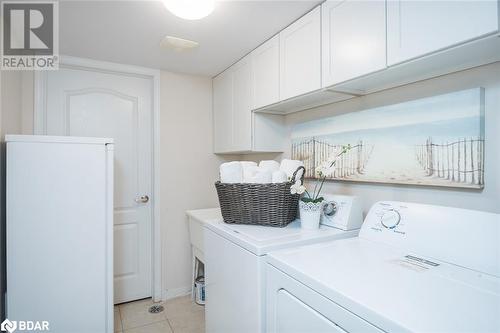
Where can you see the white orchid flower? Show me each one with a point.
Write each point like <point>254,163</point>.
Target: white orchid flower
<point>301,189</point>
<point>327,168</point>
<point>297,188</point>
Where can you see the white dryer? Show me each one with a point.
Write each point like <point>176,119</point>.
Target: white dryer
<point>235,265</point>
<point>413,268</point>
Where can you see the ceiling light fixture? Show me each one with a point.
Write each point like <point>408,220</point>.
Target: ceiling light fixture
<point>178,44</point>
<point>190,9</point>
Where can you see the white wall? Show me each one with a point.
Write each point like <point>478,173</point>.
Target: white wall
<point>487,199</point>
<point>188,169</point>
<point>11,102</point>
<point>17,102</point>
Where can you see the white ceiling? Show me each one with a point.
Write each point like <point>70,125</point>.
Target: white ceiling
<point>130,32</point>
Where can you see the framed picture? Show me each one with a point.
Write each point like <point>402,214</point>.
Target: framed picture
<point>434,141</point>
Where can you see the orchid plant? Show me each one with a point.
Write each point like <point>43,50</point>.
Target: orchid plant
<point>325,170</point>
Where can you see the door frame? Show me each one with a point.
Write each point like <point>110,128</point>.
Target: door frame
<point>40,128</point>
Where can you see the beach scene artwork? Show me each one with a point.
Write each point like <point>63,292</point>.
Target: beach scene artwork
<point>433,141</point>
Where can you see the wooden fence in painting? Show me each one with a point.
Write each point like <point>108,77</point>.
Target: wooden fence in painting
<point>314,152</point>
<point>461,161</point>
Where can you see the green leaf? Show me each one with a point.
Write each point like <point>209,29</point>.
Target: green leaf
<point>320,199</point>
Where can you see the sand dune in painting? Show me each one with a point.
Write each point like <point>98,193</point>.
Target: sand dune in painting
<point>407,171</point>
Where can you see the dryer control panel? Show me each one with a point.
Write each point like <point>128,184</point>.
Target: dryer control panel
<point>437,233</point>
<point>388,217</point>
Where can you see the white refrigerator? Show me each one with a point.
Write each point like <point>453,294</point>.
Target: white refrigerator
<point>60,232</point>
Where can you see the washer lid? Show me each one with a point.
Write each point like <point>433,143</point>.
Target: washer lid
<point>260,240</point>
<point>395,290</point>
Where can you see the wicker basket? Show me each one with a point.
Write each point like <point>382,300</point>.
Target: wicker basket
<point>260,204</point>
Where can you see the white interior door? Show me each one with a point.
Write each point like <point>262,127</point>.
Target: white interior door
<point>83,102</point>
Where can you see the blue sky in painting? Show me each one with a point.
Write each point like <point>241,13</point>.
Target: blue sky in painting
<point>443,117</point>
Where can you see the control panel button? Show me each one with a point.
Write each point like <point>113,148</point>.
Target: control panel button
<point>390,219</point>
<point>330,208</point>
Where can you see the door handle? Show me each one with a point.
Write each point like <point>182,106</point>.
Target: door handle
<point>142,199</point>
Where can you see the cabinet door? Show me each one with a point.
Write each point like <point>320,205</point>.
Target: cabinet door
<point>353,39</point>
<point>223,112</point>
<point>242,104</point>
<point>266,73</point>
<point>300,56</point>
<point>415,28</point>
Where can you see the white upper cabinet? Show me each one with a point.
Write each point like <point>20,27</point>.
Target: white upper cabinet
<point>353,39</point>
<point>242,104</point>
<point>300,56</point>
<point>223,112</point>
<point>266,73</point>
<point>236,128</point>
<point>416,28</point>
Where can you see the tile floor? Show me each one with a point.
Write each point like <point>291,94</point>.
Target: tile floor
<point>181,315</point>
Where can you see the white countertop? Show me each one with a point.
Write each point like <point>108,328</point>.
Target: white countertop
<point>257,239</point>
<point>206,215</point>
<point>260,240</point>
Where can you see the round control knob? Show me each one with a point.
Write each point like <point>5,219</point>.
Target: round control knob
<point>390,219</point>
<point>330,208</point>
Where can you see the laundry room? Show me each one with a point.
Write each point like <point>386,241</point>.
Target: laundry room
<point>247,166</point>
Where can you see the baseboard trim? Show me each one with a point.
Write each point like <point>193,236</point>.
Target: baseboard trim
<point>176,292</point>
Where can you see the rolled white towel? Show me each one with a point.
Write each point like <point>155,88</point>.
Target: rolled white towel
<point>249,169</point>
<point>261,177</point>
<point>231,172</point>
<point>279,176</point>
<point>290,166</point>
<point>249,173</point>
<point>246,164</point>
<point>269,165</point>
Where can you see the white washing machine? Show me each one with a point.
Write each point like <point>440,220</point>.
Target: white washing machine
<point>235,264</point>
<point>413,268</point>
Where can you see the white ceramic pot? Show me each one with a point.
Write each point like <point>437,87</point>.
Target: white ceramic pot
<point>310,214</point>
